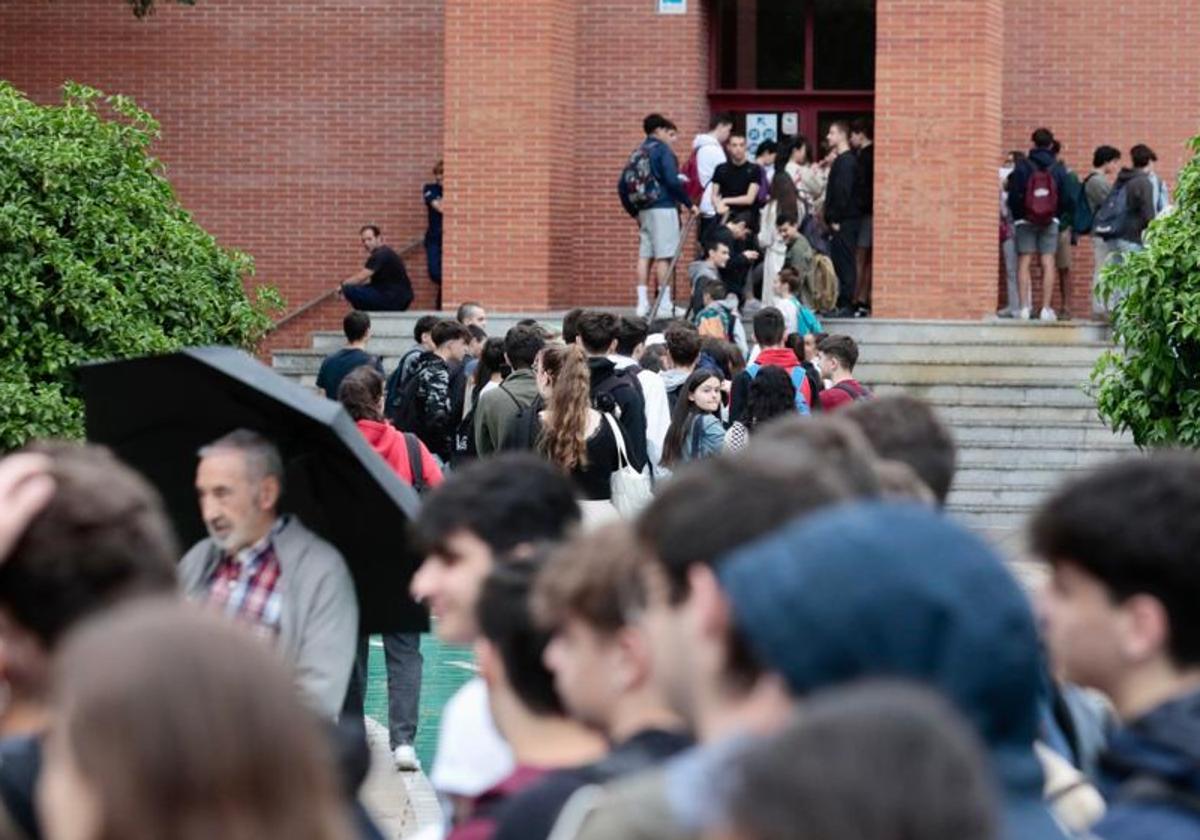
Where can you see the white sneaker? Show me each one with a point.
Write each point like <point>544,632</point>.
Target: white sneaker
<point>405,759</point>
<point>643,302</point>
<point>1047,314</point>
<point>1024,313</point>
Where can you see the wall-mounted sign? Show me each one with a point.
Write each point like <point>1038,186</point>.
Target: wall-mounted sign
<point>791,123</point>
<point>760,128</point>
<point>672,7</point>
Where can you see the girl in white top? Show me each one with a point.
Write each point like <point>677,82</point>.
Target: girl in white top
<point>784,200</point>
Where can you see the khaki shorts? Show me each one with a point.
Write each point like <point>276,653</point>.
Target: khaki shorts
<point>658,232</point>
<point>1062,257</point>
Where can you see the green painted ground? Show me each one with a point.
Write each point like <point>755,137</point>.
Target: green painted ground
<point>445,670</point>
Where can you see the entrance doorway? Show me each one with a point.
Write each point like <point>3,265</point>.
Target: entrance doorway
<point>792,66</point>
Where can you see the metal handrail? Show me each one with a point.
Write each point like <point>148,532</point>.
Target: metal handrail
<point>669,289</point>
<point>324,296</point>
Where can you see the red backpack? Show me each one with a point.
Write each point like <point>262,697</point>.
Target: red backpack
<point>1041,197</point>
<point>692,186</point>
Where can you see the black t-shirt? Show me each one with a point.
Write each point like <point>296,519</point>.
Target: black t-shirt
<point>337,365</point>
<point>735,179</point>
<point>387,269</point>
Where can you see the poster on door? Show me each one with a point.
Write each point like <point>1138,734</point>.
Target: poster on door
<point>761,128</point>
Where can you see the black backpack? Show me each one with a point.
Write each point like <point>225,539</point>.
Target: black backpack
<point>1109,221</point>
<point>408,415</point>
<point>604,395</point>
<point>396,382</point>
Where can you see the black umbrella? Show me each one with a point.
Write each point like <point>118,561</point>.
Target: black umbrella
<point>156,412</point>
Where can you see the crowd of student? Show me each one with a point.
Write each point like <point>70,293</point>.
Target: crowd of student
<point>1045,208</point>
<point>790,640</point>
<point>786,206</point>
<point>606,392</point>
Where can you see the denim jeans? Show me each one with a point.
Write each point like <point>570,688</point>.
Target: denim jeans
<point>402,653</point>
<point>368,298</point>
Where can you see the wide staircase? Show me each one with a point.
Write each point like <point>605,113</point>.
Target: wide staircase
<point>1013,392</point>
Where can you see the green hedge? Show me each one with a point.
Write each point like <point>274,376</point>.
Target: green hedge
<point>98,260</point>
<point>1150,384</point>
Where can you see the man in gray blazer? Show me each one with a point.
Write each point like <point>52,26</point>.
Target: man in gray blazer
<point>268,571</point>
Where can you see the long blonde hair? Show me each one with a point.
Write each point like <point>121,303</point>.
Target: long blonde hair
<point>564,433</point>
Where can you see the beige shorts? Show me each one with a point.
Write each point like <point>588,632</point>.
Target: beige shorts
<point>1062,257</point>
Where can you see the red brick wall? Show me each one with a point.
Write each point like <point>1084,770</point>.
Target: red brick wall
<point>632,62</point>
<point>285,125</point>
<point>1120,75</point>
<point>537,132</point>
<point>937,129</point>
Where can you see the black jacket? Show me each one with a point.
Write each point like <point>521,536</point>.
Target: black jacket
<point>623,398</point>
<point>840,194</point>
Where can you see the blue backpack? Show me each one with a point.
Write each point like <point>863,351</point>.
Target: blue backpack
<point>799,376</point>
<point>638,188</point>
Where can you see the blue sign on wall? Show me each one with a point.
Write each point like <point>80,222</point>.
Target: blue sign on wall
<point>672,7</point>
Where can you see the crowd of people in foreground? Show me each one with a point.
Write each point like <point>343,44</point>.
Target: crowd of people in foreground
<point>789,641</point>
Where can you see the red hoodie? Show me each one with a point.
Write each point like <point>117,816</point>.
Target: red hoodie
<point>390,444</point>
<point>783,357</point>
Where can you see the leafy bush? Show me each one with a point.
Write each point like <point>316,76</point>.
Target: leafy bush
<point>98,260</point>
<point>1150,385</point>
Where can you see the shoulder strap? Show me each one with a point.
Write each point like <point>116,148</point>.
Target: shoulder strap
<point>622,456</point>
<point>846,389</point>
<point>414,461</point>
<point>516,402</point>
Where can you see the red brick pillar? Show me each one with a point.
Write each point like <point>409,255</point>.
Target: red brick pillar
<point>938,89</point>
<point>510,151</point>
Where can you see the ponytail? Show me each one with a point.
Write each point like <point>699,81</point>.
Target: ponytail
<point>564,434</point>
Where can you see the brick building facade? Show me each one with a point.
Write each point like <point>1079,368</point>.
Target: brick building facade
<point>285,126</point>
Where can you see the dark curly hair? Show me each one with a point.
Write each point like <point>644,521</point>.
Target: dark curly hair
<point>772,395</point>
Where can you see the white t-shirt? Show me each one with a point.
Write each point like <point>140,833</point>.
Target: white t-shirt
<point>471,756</point>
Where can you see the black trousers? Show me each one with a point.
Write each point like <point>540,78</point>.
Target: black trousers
<point>843,246</point>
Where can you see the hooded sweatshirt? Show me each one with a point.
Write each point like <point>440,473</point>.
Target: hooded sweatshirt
<point>393,448</point>
<point>1139,203</point>
<point>1151,771</point>
<point>709,155</point>
<point>620,395</point>
<point>898,590</point>
<point>1039,159</point>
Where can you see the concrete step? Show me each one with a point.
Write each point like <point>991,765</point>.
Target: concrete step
<point>963,413</point>
<point>991,518</point>
<point>993,373</point>
<point>988,353</point>
<point>994,331</point>
<point>400,324</point>
<point>1036,432</point>
<point>1004,474</point>
<point>868,330</point>
<point>1062,394</point>
<point>970,494</point>
<point>1021,456</point>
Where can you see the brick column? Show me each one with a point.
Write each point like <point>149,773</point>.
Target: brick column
<point>938,87</point>
<point>510,150</point>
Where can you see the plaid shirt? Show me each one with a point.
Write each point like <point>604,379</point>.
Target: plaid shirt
<point>245,585</point>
